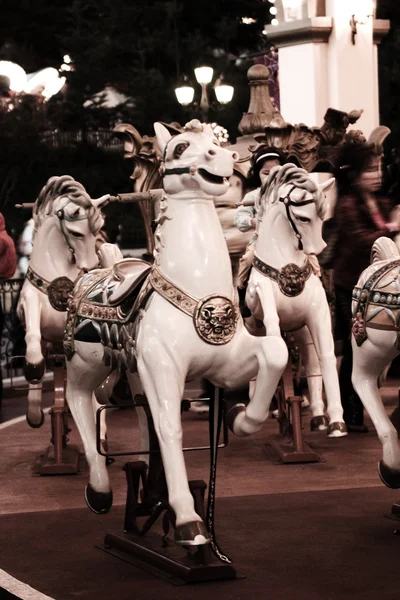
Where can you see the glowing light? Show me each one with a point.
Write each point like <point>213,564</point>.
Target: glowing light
<point>248,20</point>
<point>15,74</point>
<point>46,82</point>
<point>275,22</point>
<point>224,93</point>
<point>184,94</point>
<point>65,67</point>
<point>204,74</point>
<point>273,10</point>
<point>67,59</point>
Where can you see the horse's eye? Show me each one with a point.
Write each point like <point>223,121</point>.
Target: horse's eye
<point>180,149</point>
<point>303,219</point>
<point>76,234</point>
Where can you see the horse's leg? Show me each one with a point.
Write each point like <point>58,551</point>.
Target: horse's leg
<point>369,360</point>
<point>163,385</point>
<point>85,371</point>
<point>320,328</point>
<point>34,414</point>
<point>102,396</point>
<point>136,388</point>
<point>34,367</point>
<point>314,378</point>
<point>271,354</point>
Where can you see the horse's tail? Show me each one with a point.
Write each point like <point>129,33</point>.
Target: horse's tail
<point>384,249</point>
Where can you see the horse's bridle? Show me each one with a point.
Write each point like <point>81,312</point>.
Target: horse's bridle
<point>62,217</point>
<point>288,203</point>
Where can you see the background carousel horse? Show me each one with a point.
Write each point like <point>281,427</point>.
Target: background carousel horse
<point>66,223</point>
<point>289,229</point>
<point>375,343</point>
<point>184,324</point>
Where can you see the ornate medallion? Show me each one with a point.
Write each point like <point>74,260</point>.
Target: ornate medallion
<point>292,279</point>
<point>59,291</point>
<point>215,319</point>
<point>358,329</point>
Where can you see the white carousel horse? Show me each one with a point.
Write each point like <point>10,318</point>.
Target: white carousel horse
<point>66,223</point>
<point>188,323</point>
<point>376,342</point>
<point>289,230</point>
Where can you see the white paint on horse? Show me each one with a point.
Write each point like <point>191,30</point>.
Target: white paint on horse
<point>307,314</point>
<point>191,251</point>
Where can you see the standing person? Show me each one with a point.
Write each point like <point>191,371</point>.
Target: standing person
<point>8,265</point>
<point>262,161</point>
<point>361,217</point>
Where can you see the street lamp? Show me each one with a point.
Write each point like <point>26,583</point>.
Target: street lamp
<point>204,75</point>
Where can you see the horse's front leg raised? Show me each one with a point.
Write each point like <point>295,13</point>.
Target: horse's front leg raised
<point>30,312</point>
<point>271,355</point>
<point>320,328</point>
<point>369,360</point>
<point>163,385</point>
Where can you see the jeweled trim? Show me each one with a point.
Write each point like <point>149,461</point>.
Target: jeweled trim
<point>39,282</point>
<point>291,279</point>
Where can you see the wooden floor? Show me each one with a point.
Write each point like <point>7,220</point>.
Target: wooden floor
<point>243,466</point>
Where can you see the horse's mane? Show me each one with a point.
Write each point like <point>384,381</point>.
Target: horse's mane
<point>289,174</point>
<point>65,186</point>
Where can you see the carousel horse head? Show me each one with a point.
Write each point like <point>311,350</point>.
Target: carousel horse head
<point>64,205</point>
<point>194,161</point>
<point>295,196</point>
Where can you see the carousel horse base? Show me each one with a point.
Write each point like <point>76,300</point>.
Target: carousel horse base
<point>186,559</point>
<point>281,451</point>
<point>68,463</point>
<point>168,561</point>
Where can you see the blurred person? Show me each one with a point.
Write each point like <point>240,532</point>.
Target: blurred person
<point>361,216</point>
<point>25,247</point>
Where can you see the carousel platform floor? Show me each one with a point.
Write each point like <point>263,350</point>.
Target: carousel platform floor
<point>315,531</point>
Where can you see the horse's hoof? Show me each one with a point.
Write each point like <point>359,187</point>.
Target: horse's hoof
<point>337,429</point>
<point>192,534</point>
<point>34,373</point>
<point>33,424</point>
<point>99,502</point>
<point>233,413</point>
<point>319,423</point>
<point>389,477</point>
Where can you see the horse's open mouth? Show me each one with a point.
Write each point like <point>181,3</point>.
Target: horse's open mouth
<point>212,178</point>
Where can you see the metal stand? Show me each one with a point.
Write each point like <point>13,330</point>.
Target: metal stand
<point>293,449</point>
<point>59,458</point>
<point>147,498</point>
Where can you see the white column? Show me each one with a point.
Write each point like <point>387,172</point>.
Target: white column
<point>303,83</point>
<point>352,68</point>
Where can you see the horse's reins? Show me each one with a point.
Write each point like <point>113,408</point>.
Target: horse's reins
<point>62,217</point>
<point>288,203</point>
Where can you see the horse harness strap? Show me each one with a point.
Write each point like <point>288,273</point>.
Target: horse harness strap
<point>291,279</point>
<point>58,290</point>
<point>367,296</point>
<point>214,317</point>
<point>62,217</point>
<point>288,203</point>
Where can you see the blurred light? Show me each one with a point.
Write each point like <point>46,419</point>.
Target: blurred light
<point>248,20</point>
<point>204,74</point>
<point>67,59</point>
<point>273,10</point>
<point>184,94</point>
<point>46,82</point>
<point>224,93</point>
<point>65,67</point>
<point>15,74</point>
<point>275,22</point>
<point>272,1</point>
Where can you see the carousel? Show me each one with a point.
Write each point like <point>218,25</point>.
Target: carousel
<point>113,495</point>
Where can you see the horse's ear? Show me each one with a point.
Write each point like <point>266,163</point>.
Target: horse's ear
<point>327,185</point>
<point>102,201</point>
<point>163,136</point>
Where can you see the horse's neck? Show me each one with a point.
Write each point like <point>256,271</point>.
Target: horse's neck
<point>50,256</point>
<point>191,249</point>
<point>275,242</point>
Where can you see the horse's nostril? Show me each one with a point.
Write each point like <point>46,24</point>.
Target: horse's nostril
<point>212,152</point>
